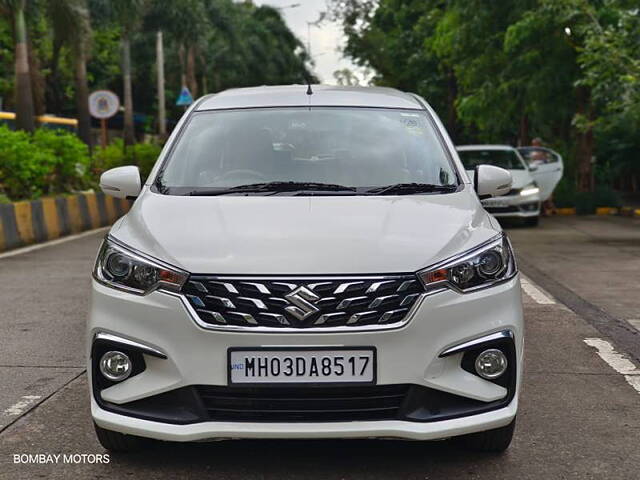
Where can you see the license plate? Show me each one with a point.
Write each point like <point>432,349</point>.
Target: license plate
<point>495,203</point>
<point>301,365</point>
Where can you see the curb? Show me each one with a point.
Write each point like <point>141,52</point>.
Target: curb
<point>624,211</point>
<point>630,212</point>
<point>28,222</point>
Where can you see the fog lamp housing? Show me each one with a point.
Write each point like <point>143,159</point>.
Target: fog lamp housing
<point>491,364</point>
<point>115,366</point>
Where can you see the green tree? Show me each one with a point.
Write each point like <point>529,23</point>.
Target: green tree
<point>15,9</point>
<point>127,13</point>
<point>566,70</point>
<point>71,25</point>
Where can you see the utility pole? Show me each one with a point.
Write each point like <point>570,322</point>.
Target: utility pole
<point>162,115</point>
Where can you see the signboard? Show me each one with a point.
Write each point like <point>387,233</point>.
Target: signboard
<point>184,98</point>
<point>103,104</point>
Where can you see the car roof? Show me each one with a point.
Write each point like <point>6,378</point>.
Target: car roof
<point>296,95</point>
<point>484,147</point>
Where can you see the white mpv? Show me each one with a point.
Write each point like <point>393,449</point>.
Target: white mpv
<point>306,262</point>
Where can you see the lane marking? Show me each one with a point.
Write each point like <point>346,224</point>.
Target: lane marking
<point>617,361</point>
<point>635,323</point>
<point>50,243</point>
<point>535,293</point>
<point>20,407</point>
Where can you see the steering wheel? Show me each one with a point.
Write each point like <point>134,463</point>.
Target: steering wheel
<point>241,174</point>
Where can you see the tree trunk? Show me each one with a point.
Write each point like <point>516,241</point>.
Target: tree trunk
<point>452,114</point>
<point>82,97</point>
<point>192,81</point>
<point>183,66</point>
<point>584,138</point>
<point>53,93</point>
<point>162,114</point>
<point>129,133</point>
<point>524,138</point>
<point>24,99</point>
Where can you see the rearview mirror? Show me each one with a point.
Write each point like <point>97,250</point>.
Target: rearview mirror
<point>490,181</point>
<point>121,182</point>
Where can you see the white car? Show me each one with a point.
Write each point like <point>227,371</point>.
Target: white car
<point>523,200</point>
<point>306,262</point>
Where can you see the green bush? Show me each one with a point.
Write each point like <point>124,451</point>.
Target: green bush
<point>45,163</point>
<point>585,203</point>
<point>50,162</point>
<point>71,159</point>
<point>111,156</point>
<point>143,155</point>
<point>564,195</point>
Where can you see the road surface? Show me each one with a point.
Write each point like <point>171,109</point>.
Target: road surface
<point>579,406</point>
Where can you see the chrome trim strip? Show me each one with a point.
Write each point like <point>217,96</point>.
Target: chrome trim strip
<point>109,337</point>
<point>476,341</point>
<point>239,328</point>
<point>303,277</point>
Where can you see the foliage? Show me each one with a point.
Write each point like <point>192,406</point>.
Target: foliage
<point>231,44</point>
<point>50,162</point>
<point>45,163</point>
<point>585,203</point>
<point>144,155</point>
<point>502,72</point>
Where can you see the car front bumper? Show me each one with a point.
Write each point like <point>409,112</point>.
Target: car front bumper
<point>513,206</point>
<point>406,355</point>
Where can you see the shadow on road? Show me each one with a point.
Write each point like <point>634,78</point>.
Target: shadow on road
<point>309,458</point>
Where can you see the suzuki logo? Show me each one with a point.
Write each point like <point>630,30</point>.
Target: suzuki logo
<point>301,299</point>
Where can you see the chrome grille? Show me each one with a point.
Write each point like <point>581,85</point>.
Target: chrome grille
<point>304,302</point>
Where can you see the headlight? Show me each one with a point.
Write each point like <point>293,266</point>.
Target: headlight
<point>483,266</point>
<point>119,267</point>
<point>530,189</point>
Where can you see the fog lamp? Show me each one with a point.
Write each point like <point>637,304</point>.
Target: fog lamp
<point>491,363</point>
<point>115,366</point>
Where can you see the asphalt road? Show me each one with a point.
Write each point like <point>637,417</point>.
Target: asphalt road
<point>579,405</point>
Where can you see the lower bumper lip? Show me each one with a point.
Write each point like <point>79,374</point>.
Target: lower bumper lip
<point>210,431</point>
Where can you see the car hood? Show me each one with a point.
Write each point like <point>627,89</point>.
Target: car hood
<point>304,235</point>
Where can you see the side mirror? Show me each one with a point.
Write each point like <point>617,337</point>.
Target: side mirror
<point>121,182</point>
<point>533,168</point>
<point>490,181</point>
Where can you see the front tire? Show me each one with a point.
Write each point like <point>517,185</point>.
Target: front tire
<point>495,441</point>
<point>117,442</point>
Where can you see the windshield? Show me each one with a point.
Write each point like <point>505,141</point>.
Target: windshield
<point>278,149</point>
<point>508,159</point>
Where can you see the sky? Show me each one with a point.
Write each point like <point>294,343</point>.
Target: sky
<point>325,40</point>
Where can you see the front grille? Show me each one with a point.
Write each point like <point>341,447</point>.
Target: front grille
<point>302,302</point>
<point>302,404</point>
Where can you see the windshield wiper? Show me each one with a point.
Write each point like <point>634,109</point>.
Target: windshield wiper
<point>408,188</point>
<point>274,187</point>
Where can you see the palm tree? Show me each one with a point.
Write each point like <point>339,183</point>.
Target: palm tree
<point>71,25</point>
<point>24,98</point>
<point>127,14</point>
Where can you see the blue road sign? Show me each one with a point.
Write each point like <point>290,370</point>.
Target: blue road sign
<point>185,97</point>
